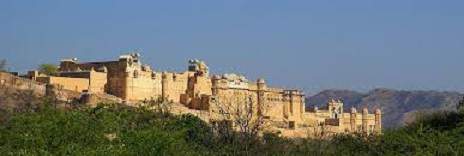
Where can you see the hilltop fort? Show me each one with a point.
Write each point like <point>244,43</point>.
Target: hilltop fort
<point>128,80</point>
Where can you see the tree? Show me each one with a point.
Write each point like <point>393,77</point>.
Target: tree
<point>240,116</point>
<point>3,65</point>
<point>460,105</point>
<point>48,69</point>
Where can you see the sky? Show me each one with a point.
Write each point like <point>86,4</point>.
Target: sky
<point>306,44</point>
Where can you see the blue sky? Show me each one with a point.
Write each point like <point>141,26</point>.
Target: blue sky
<point>312,45</point>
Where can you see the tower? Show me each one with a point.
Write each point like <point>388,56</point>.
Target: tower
<point>261,84</point>
<point>214,85</point>
<point>335,108</point>
<point>291,97</point>
<point>353,119</point>
<point>378,121</point>
<point>365,113</point>
<point>164,84</point>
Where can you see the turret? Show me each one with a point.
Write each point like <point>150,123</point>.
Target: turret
<point>365,113</point>
<point>330,107</point>
<point>198,67</point>
<point>215,83</point>
<point>335,108</point>
<point>378,121</point>
<point>261,84</point>
<point>164,85</point>
<point>353,119</point>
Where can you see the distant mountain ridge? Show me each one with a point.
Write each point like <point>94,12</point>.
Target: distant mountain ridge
<point>398,106</point>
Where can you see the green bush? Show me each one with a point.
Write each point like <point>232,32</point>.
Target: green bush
<point>86,131</point>
<point>120,130</point>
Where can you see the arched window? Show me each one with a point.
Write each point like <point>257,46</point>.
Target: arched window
<point>136,73</point>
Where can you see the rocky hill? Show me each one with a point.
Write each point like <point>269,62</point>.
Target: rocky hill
<point>398,106</point>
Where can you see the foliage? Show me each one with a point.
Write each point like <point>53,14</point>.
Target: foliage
<point>113,129</point>
<point>48,69</point>
<point>460,105</point>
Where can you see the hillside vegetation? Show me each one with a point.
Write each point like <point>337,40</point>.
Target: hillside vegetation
<point>398,107</point>
<point>118,130</point>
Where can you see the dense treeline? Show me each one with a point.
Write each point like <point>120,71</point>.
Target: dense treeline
<point>119,130</point>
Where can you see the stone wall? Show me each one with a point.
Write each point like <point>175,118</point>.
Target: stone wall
<point>142,88</point>
<point>115,71</point>
<point>97,80</point>
<point>9,80</point>
<point>175,84</point>
<point>67,83</point>
<point>199,90</point>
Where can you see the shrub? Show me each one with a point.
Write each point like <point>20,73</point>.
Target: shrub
<point>120,130</point>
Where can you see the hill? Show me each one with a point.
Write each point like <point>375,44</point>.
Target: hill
<point>398,106</point>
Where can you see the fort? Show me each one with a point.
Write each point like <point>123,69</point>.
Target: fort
<point>282,110</point>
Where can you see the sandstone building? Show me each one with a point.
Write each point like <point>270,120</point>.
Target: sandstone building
<point>282,109</point>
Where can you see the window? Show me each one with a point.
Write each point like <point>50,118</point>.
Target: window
<point>291,124</point>
<point>136,73</point>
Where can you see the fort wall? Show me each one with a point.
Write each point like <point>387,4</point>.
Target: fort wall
<point>74,84</point>
<point>97,80</point>
<point>9,80</point>
<point>283,110</point>
<point>175,84</point>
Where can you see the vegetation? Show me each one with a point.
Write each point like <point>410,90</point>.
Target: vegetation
<point>48,69</point>
<point>119,130</point>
